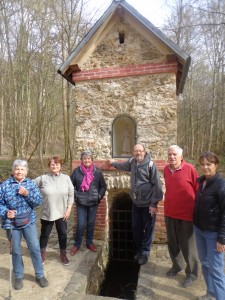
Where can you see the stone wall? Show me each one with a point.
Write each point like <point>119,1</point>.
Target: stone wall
<point>150,100</point>
<point>136,49</point>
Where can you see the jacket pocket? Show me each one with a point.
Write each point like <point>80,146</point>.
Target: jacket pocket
<point>94,196</point>
<point>145,193</point>
<point>81,198</point>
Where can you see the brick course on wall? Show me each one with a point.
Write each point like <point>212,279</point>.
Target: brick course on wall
<point>125,71</point>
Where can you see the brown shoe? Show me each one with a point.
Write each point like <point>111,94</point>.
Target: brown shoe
<point>63,257</point>
<point>74,250</point>
<point>92,248</point>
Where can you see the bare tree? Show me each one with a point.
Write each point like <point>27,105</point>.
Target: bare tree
<point>198,27</point>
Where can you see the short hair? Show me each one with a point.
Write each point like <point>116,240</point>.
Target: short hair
<point>210,157</point>
<point>86,153</point>
<point>19,163</point>
<point>178,149</point>
<point>56,158</point>
<point>140,145</point>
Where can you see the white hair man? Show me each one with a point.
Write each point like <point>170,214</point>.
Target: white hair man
<point>181,186</point>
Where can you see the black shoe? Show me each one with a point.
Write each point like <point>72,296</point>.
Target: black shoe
<point>137,256</point>
<point>172,272</point>
<point>43,282</point>
<point>143,259</point>
<point>188,281</point>
<point>18,283</point>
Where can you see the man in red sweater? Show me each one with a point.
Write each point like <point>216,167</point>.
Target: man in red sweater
<point>181,186</point>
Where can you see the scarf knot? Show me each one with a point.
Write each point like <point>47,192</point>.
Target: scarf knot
<point>88,177</point>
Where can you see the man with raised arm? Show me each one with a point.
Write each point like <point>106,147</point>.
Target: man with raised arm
<point>145,192</point>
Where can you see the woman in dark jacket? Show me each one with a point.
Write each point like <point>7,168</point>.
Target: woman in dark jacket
<point>89,185</point>
<point>209,221</point>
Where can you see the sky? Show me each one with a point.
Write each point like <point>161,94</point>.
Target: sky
<point>153,10</point>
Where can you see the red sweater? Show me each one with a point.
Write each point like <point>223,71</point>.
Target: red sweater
<point>181,186</point>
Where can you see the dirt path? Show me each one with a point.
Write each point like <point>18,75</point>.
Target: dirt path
<point>154,285</point>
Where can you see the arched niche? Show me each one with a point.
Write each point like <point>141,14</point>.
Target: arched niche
<point>123,136</point>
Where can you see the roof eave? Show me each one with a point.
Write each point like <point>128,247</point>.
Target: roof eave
<point>84,41</point>
<point>184,58</point>
<point>184,76</point>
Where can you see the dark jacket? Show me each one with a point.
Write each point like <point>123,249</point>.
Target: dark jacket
<point>209,211</point>
<point>96,191</point>
<point>145,188</point>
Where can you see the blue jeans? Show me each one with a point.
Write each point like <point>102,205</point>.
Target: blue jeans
<point>212,262</point>
<point>143,225</point>
<point>31,237</point>
<point>85,218</point>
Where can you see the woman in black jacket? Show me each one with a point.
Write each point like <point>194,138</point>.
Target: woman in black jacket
<point>89,185</point>
<point>209,221</point>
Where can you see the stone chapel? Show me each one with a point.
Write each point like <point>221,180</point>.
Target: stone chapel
<point>127,76</point>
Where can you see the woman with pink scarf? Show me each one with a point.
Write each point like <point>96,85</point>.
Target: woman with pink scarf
<point>89,185</point>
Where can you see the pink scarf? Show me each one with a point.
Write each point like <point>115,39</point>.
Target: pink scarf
<point>88,177</point>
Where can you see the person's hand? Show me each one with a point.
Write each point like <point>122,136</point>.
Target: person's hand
<point>153,210</point>
<point>11,214</point>
<point>110,161</point>
<point>22,191</point>
<point>220,248</point>
<point>67,214</point>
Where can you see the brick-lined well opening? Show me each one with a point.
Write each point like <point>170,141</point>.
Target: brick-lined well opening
<point>121,275</point>
<point>121,245</point>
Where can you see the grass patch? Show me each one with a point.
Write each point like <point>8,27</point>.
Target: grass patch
<point>5,169</point>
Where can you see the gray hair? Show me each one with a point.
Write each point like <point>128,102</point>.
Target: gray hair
<point>177,148</point>
<point>19,163</point>
<point>86,153</point>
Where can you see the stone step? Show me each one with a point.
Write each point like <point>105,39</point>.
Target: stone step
<point>87,297</point>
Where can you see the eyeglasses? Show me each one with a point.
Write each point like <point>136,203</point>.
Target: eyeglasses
<point>139,151</point>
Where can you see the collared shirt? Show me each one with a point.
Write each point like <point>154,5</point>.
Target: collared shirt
<point>181,187</point>
<point>174,170</point>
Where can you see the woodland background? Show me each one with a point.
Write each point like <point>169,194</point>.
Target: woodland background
<point>37,105</point>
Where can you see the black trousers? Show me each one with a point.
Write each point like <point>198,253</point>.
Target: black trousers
<point>46,228</point>
<point>182,245</point>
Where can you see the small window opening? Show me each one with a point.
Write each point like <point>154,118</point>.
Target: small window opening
<point>121,37</point>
